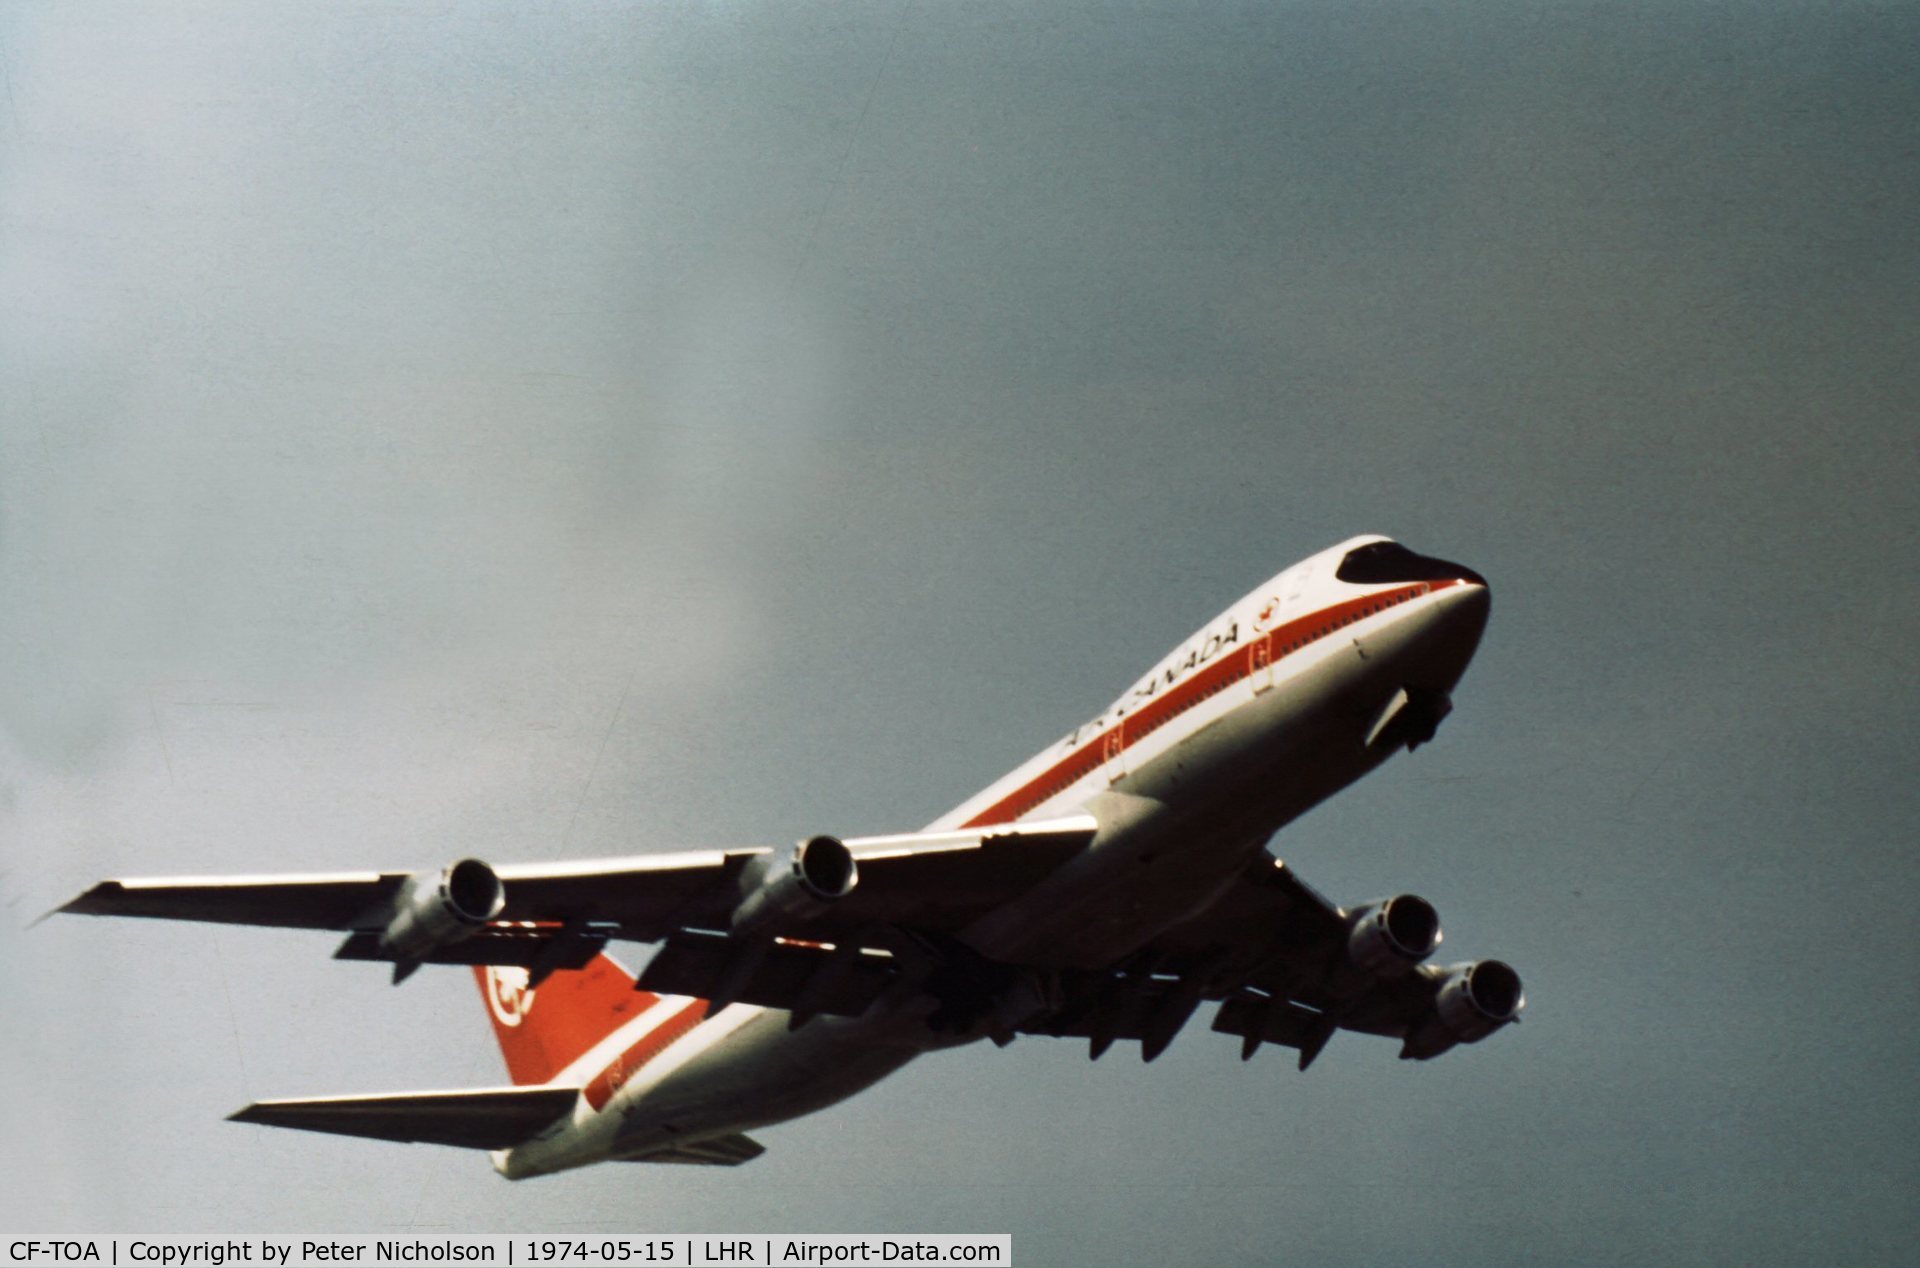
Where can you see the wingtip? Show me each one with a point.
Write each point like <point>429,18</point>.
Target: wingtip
<point>84,903</point>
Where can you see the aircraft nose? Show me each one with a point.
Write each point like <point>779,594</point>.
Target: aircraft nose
<point>1462,613</point>
<point>1443,634</point>
<point>1475,597</point>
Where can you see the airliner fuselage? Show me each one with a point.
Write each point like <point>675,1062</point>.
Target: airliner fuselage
<point>1307,683</point>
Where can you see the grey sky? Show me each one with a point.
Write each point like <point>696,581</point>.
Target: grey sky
<point>540,431</point>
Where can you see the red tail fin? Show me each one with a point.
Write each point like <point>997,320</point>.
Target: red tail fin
<point>543,1031</point>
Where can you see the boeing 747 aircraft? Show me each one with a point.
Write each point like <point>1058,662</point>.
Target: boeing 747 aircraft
<point>1103,891</point>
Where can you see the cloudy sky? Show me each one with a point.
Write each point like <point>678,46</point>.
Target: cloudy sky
<point>536,431</point>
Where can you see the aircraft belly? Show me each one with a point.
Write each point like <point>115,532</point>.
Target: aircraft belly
<point>1177,831</point>
<point>764,1073</point>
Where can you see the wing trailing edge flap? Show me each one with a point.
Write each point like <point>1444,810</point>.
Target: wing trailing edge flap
<point>1261,950</point>
<point>540,947</point>
<point>805,978</point>
<point>1073,832</point>
<point>482,1118</point>
<point>1274,1020</point>
<point>1153,1010</point>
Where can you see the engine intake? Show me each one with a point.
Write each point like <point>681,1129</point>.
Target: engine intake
<point>1474,1001</point>
<point>1389,937</point>
<point>436,909</point>
<point>796,884</point>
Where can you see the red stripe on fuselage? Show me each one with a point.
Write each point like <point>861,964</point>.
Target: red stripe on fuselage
<point>1087,756</point>
<point>644,1049</point>
<point>1130,729</point>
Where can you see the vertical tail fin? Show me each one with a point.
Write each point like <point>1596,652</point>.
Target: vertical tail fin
<point>543,1031</point>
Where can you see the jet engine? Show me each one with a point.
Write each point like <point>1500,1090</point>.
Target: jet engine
<point>1387,938</point>
<point>435,909</point>
<point>1474,1000</point>
<point>796,883</point>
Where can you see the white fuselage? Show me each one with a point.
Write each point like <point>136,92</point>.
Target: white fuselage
<point>1262,714</point>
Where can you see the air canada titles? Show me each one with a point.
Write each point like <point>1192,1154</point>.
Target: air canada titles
<point>1168,672</point>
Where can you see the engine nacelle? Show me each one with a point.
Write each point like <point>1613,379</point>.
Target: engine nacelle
<point>1474,1001</point>
<point>435,909</point>
<point>1387,938</point>
<point>796,883</point>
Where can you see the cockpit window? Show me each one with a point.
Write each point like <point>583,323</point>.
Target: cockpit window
<point>1379,562</point>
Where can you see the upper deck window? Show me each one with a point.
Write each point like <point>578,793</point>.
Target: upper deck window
<point>1379,562</point>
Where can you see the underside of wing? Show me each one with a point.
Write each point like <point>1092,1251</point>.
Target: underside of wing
<point>807,978</point>
<point>486,1118</point>
<point>1287,967</point>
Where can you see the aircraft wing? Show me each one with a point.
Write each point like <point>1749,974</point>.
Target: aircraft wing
<point>482,1118</point>
<point>331,900</point>
<point>830,926</point>
<point>479,1118</point>
<point>1288,967</point>
<point>558,915</point>
<point>930,880</point>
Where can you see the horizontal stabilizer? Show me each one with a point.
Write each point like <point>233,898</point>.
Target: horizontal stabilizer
<point>484,1118</point>
<point>722,1151</point>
